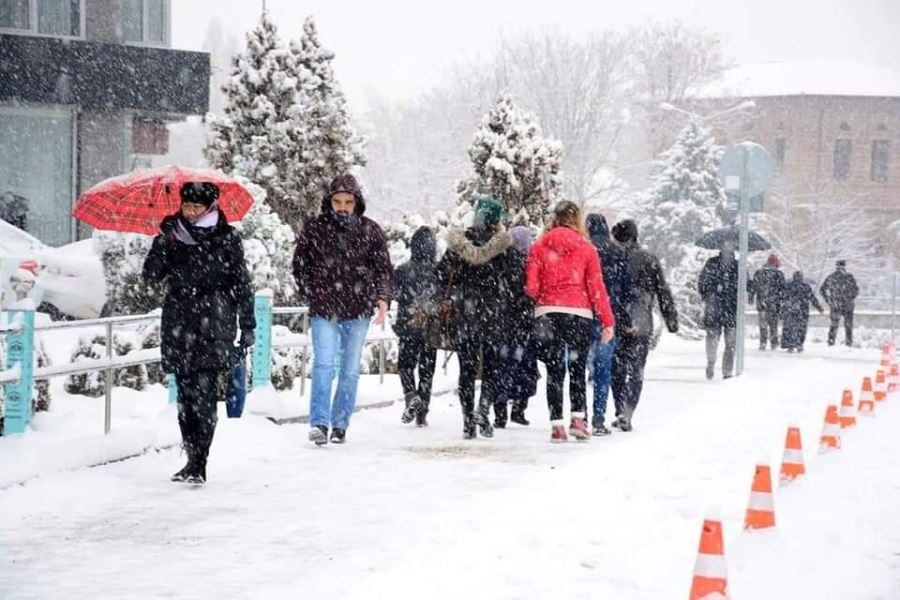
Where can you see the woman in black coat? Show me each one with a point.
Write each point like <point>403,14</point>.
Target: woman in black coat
<point>200,258</point>
<point>797,298</point>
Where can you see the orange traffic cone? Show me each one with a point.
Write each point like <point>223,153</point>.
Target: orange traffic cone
<point>792,463</point>
<point>886,352</point>
<point>847,415</point>
<point>710,570</point>
<point>831,432</point>
<point>867,398</point>
<point>880,386</point>
<point>761,508</point>
<point>894,379</point>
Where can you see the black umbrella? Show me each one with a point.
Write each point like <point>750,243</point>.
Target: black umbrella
<point>718,238</point>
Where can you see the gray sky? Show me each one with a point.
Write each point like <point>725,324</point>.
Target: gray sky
<point>397,48</point>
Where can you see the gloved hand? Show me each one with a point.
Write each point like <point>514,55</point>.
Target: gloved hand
<point>247,338</point>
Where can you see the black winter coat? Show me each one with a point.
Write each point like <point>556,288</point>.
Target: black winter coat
<point>718,287</point>
<point>798,296</point>
<point>207,292</point>
<point>415,283</point>
<point>482,274</point>
<point>618,276</point>
<point>840,291</point>
<point>768,287</point>
<point>651,286</point>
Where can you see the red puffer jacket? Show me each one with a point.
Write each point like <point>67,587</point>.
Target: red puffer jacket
<point>563,269</point>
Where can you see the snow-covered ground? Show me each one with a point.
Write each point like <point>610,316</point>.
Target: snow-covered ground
<point>401,512</point>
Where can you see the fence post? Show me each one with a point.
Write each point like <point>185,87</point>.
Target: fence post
<point>262,346</point>
<point>173,388</point>
<point>304,355</point>
<point>107,411</point>
<point>19,353</point>
<point>381,356</point>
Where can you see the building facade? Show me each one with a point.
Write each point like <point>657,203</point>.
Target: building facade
<point>86,90</point>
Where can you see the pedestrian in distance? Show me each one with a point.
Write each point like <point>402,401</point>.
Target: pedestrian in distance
<point>415,285</point>
<point>633,346</point>
<point>618,277</point>
<point>840,291</point>
<point>768,288</point>
<point>564,278</point>
<point>718,286</point>
<point>480,274</point>
<point>200,260</point>
<point>344,274</point>
<point>797,298</point>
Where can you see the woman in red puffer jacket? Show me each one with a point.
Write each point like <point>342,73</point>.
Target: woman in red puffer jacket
<point>563,277</point>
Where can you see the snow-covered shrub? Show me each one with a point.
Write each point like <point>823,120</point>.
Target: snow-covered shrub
<point>122,255</point>
<point>93,383</point>
<point>149,336</point>
<point>372,355</point>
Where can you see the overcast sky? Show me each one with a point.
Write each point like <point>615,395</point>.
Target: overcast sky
<point>397,48</point>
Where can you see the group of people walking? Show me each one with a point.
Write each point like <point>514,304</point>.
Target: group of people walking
<point>579,298</point>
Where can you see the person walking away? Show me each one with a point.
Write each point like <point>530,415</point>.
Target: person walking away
<point>564,278</point>
<point>343,272</point>
<point>768,288</point>
<point>518,374</point>
<point>200,260</point>
<point>633,346</point>
<point>415,283</point>
<point>840,291</point>
<point>619,280</point>
<point>480,273</point>
<point>718,286</point>
<point>797,298</point>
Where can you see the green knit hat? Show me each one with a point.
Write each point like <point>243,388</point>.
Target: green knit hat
<point>488,211</point>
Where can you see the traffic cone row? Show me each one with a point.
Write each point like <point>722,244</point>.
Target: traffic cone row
<point>894,380</point>
<point>831,431</point>
<point>847,414</point>
<point>867,398</point>
<point>880,386</point>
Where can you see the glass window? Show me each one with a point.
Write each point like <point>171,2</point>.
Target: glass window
<point>133,20</point>
<point>156,22</point>
<point>59,17</point>
<point>144,21</point>
<point>842,149</point>
<point>14,14</point>
<point>880,153</point>
<point>36,169</point>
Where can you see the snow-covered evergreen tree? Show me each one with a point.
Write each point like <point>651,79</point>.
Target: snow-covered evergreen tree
<point>122,256</point>
<point>513,162</point>
<point>686,200</point>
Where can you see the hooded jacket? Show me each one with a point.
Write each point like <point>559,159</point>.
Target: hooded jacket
<point>415,281</point>
<point>718,286</point>
<point>617,273</point>
<point>342,268</point>
<point>207,292</point>
<point>563,270</point>
<point>768,286</point>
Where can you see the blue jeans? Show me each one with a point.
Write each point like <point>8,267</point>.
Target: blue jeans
<point>333,342</point>
<point>601,365</point>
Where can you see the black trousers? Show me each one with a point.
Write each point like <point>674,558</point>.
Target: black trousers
<point>628,372</point>
<point>562,342</point>
<point>835,322</point>
<point>469,354</point>
<point>198,394</point>
<point>414,352</point>
<point>768,328</point>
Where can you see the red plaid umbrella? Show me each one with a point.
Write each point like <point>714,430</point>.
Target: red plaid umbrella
<point>138,201</point>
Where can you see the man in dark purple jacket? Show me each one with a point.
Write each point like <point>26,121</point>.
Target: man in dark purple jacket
<point>344,273</point>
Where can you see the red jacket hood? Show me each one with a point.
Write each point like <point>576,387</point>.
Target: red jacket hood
<point>565,241</point>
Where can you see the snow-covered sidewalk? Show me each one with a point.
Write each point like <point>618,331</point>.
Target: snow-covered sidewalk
<point>401,512</point>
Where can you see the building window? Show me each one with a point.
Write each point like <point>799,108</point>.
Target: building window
<point>45,17</point>
<point>880,153</point>
<point>145,21</point>
<point>842,150</point>
<point>780,150</point>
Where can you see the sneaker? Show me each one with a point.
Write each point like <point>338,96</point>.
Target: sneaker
<point>412,405</point>
<point>558,433</point>
<point>600,430</point>
<point>338,436</point>
<point>518,416</point>
<point>578,428</point>
<point>318,435</point>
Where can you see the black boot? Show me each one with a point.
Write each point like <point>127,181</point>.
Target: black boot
<point>484,419</point>
<point>338,436</point>
<point>517,415</point>
<point>412,405</point>
<point>188,471</point>
<point>500,415</point>
<point>469,427</point>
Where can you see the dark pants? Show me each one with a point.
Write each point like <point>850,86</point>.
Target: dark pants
<point>712,349</point>
<point>198,394</point>
<point>415,352</point>
<point>768,328</point>
<point>629,361</point>
<point>518,375</point>
<point>469,353</point>
<point>835,322</point>
<point>562,338</point>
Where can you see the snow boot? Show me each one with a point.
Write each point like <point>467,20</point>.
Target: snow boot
<point>469,432</point>
<point>600,429</point>
<point>558,432</point>
<point>412,405</point>
<point>484,419</point>
<point>318,435</point>
<point>183,474</point>
<point>517,415</point>
<point>710,371</point>
<point>338,436</point>
<point>578,428</point>
<point>421,420</point>
<point>500,415</point>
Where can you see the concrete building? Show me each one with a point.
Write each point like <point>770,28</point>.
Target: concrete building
<point>86,90</point>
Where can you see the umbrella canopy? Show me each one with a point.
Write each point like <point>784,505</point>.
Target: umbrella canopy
<point>138,201</point>
<point>718,238</point>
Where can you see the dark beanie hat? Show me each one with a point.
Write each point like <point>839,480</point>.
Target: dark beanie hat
<point>488,211</point>
<point>199,192</point>
<point>625,231</point>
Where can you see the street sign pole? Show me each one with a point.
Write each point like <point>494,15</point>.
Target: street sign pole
<point>744,211</point>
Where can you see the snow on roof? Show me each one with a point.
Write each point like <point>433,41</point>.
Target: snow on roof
<point>813,78</point>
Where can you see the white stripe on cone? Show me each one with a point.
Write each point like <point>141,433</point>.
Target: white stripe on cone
<point>712,566</point>
<point>793,457</point>
<point>761,501</point>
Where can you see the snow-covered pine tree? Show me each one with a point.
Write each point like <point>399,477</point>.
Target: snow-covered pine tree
<point>513,162</point>
<point>122,256</point>
<point>686,199</point>
<point>323,131</point>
